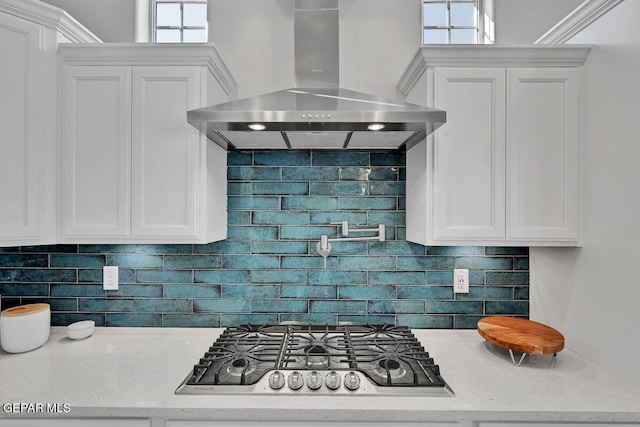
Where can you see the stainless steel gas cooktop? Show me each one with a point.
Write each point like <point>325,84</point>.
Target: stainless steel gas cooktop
<point>316,359</point>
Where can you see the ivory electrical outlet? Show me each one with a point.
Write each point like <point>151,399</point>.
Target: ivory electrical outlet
<point>110,277</point>
<point>461,281</point>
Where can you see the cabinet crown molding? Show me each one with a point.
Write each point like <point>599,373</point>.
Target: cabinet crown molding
<point>490,56</point>
<point>140,54</point>
<point>51,17</point>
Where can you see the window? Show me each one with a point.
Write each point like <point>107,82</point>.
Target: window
<point>456,22</point>
<point>180,21</point>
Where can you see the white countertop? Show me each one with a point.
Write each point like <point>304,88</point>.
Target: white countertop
<point>133,372</point>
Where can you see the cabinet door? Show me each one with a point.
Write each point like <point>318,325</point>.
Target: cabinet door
<point>469,155</point>
<point>21,133</point>
<point>165,152</point>
<point>96,152</point>
<point>542,154</point>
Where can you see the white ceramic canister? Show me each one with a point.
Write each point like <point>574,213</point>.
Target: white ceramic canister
<point>25,327</point>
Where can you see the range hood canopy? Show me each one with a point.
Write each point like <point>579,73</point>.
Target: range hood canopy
<point>317,113</point>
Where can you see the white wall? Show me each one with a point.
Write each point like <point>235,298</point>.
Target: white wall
<point>523,21</point>
<point>110,20</point>
<point>591,294</point>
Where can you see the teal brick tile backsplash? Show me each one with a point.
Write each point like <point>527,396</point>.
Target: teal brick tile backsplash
<point>267,271</point>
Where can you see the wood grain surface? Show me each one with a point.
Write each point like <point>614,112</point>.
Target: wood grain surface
<point>22,310</point>
<point>525,336</point>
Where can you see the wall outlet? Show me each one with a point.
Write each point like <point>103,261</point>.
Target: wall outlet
<point>461,281</point>
<point>110,278</point>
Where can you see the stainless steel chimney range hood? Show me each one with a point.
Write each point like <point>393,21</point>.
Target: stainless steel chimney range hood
<point>317,113</point>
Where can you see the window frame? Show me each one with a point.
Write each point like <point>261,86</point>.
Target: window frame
<point>478,20</point>
<point>182,27</point>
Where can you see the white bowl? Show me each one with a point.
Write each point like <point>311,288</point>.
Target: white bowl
<point>25,327</point>
<point>80,330</point>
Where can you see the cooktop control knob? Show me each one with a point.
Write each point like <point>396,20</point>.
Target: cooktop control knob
<point>352,381</point>
<point>276,380</point>
<point>314,380</point>
<point>295,380</point>
<point>332,380</point>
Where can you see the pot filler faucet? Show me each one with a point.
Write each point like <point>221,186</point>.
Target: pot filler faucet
<point>324,247</point>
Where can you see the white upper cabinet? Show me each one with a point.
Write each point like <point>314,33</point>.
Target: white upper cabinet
<point>134,170</point>
<point>29,35</point>
<point>504,169</point>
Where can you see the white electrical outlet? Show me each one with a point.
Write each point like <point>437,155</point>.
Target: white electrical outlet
<point>461,281</point>
<point>110,277</point>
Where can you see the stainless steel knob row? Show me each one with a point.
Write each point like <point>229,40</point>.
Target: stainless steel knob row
<point>332,380</point>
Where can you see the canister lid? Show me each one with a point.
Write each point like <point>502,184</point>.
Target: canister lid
<point>23,310</point>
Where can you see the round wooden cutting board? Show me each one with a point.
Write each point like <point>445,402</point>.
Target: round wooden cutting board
<point>522,335</point>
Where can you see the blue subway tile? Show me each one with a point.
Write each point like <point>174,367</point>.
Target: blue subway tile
<point>425,263</point>
<point>367,203</point>
<point>388,306</point>
<point>157,305</point>
<point>135,260</point>
<point>239,158</point>
<point>455,250</point>
<point>282,158</point>
<point>164,276</point>
<point>507,250</point>
<point>311,319</point>
<point>306,291</point>
<point>395,248</point>
<point>253,202</point>
<point>387,218</point>
<point>329,277</point>
<point>507,307</point>
<point>10,274</point>
<point>521,292</point>
<point>306,233</point>
<point>368,319</point>
<point>487,293</point>
<point>250,262</point>
<point>147,291</point>
<point>366,292</point>
<point>164,249</point>
<point>191,261</point>
<point>252,233</point>
<point>313,261</point>
<point>454,307</point>
<point>339,188</point>
<point>385,174</point>
<point>105,305</point>
<point>279,276</point>
<point>520,263</point>
<point>278,188</point>
<point>190,320</point>
<point>340,158</point>
<point>348,248</point>
<point>221,276</point>
<point>309,203</point>
<point>466,322</point>
<point>76,260</point>
<point>241,319</point>
<point>278,306</point>
<point>327,217</point>
<point>133,320</point>
<point>484,263</point>
<point>310,174</point>
<point>17,289</point>
<point>191,291</point>
<point>239,217</point>
<point>108,249</point>
<point>397,278</point>
<point>223,247</point>
<point>280,218</point>
<point>425,292</point>
<point>49,249</point>
<point>65,319</point>
<point>355,174</point>
<point>221,306</point>
<point>279,247</point>
<point>394,158</point>
<point>366,263</point>
<point>248,173</point>
<point>48,275</point>
<point>387,188</point>
<point>427,321</point>
<point>95,275</point>
<point>250,291</point>
<point>23,260</point>
<point>75,290</point>
<point>327,306</point>
<point>507,278</point>
<point>239,188</point>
